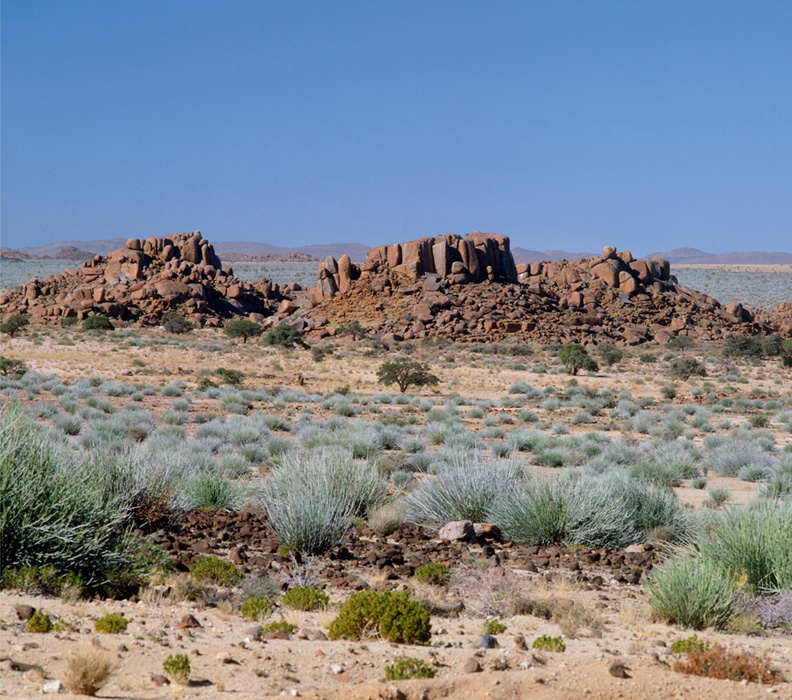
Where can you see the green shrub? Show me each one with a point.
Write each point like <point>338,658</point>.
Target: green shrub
<point>610,354</point>
<point>34,580</point>
<point>408,667</point>
<point>434,573</point>
<point>111,624</point>
<point>305,598</point>
<point>387,614</point>
<point>230,376</point>
<point>692,591</point>
<point>548,643</point>
<point>215,570</point>
<point>39,623</point>
<point>686,367</point>
<point>97,323</point>
<point>174,322</point>
<point>256,608</point>
<point>278,626</point>
<point>688,644</point>
<point>177,667</point>
<point>494,627</point>
<point>285,336</point>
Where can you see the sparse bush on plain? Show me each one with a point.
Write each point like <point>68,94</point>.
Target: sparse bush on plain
<point>385,614</point>
<point>87,672</point>
<point>216,570</point>
<point>408,667</point>
<point>305,598</point>
<point>405,373</point>
<point>97,322</point>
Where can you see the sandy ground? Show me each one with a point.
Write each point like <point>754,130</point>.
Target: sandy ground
<point>227,663</point>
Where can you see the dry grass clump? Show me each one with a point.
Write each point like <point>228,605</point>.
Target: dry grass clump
<point>492,591</point>
<point>87,672</point>
<point>571,615</point>
<point>729,664</point>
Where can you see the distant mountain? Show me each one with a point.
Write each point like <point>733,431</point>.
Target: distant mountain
<point>100,247</point>
<point>523,255</point>
<point>693,256</point>
<point>73,254</point>
<point>356,251</point>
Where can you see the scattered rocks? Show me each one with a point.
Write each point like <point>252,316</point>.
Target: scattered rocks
<point>53,688</point>
<point>471,666</point>
<point>457,531</point>
<point>486,641</point>
<point>24,612</point>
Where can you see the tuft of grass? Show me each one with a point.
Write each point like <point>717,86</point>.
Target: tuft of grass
<point>688,644</point>
<point>39,623</point>
<point>87,672</point>
<point>305,598</point>
<point>434,573</point>
<point>692,591</point>
<point>177,667</point>
<point>494,627</point>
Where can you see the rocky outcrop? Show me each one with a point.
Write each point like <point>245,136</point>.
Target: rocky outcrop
<point>469,289</point>
<point>477,257</point>
<point>142,281</point>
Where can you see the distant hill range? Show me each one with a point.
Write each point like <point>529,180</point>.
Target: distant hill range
<point>249,251</point>
<point>524,255</point>
<point>693,256</point>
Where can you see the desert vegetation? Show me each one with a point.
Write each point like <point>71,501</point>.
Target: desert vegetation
<point>290,490</point>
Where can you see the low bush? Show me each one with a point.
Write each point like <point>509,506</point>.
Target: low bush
<point>174,322</point>
<point>305,598</point>
<point>14,324</point>
<point>112,623</point>
<point>215,570</point>
<point>575,357</point>
<point>729,664</point>
<point>39,623</point>
<point>386,614</point>
<point>686,367</point>
<point>278,626</point>
<point>494,627</point>
<point>285,336</point>
<point>97,323</point>
<point>434,573</point>
<point>256,608</point>
<point>548,643</point>
<point>177,667</point>
<point>408,667</point>
<point>688,644</point>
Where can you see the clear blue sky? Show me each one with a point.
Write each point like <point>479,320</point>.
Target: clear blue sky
<point>646,125</point>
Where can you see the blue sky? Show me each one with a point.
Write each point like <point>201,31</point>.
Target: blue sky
<point>569,125</point>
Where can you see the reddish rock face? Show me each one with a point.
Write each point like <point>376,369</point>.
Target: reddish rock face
<point>142,281</point>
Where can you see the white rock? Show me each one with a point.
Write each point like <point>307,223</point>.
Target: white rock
<point>337,668</point>
<point>53,688</point>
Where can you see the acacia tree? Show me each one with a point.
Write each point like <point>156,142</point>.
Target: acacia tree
<point>14,324</point>
<point>575,357</point>
<point>406,373</point>
<point>242,328</point>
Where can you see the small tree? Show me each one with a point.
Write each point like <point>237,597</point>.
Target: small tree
<point>13,324</point>
<point>686,367</point>
<point>242,328</point>
<point>406,373</point>
<point>285,336</point>
<point>174,322</point>
<point>97,323</point>
<point>575,357</point>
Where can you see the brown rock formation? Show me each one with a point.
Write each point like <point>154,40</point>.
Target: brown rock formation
<point>469,288</point>
<point>144,280</point>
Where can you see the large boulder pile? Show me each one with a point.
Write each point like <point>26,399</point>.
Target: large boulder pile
<point>470,289</point>
<point>144,280</point>
<point>477,257</point>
